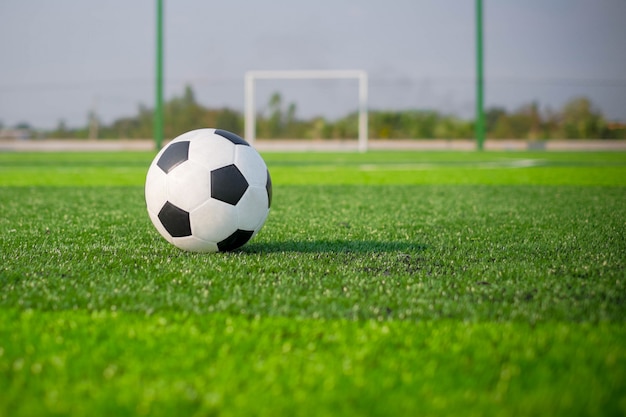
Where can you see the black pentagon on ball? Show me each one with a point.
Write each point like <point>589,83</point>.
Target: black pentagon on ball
<point>237,140</point>
<point>234,241</point>
<point>175,220</point>
<point>268,187</point>
<point>175,154</point>
<point>228,184</point>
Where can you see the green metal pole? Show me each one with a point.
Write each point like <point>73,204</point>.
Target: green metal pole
<point>479,129</point>
<point>158,107</point>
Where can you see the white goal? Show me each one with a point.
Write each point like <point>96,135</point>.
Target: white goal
<point>252,76</point>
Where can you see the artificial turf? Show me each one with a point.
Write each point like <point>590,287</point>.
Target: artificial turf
<point>384,283</point>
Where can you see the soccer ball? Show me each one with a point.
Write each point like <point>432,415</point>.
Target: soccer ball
<point>208,190</point>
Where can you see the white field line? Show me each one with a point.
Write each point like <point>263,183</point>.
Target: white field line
<point>516,163</point>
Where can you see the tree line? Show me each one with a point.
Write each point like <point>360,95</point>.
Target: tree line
<point>577,119</point>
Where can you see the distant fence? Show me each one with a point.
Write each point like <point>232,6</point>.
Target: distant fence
<point>302,145</point>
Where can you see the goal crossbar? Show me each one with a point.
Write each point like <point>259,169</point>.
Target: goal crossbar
<point>249,93</point>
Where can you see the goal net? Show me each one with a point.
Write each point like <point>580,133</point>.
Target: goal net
<point>250,85</point>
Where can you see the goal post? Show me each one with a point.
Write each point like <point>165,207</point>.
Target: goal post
<point>250,85</point>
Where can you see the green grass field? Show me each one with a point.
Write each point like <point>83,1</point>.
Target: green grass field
<point>386,283</point>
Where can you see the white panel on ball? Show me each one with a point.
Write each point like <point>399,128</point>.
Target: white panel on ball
<point>211,150</point>
<point>190,186</point>
<point>250,216</point>
<point>213,221</point>
<point>251,165</point>
<point>156,190</point>
<point>188,136</point>
<point>193,244</point>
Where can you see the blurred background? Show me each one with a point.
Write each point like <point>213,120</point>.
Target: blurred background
<point>86,69</point>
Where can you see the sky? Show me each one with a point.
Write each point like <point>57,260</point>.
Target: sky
<point>61,59</point>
